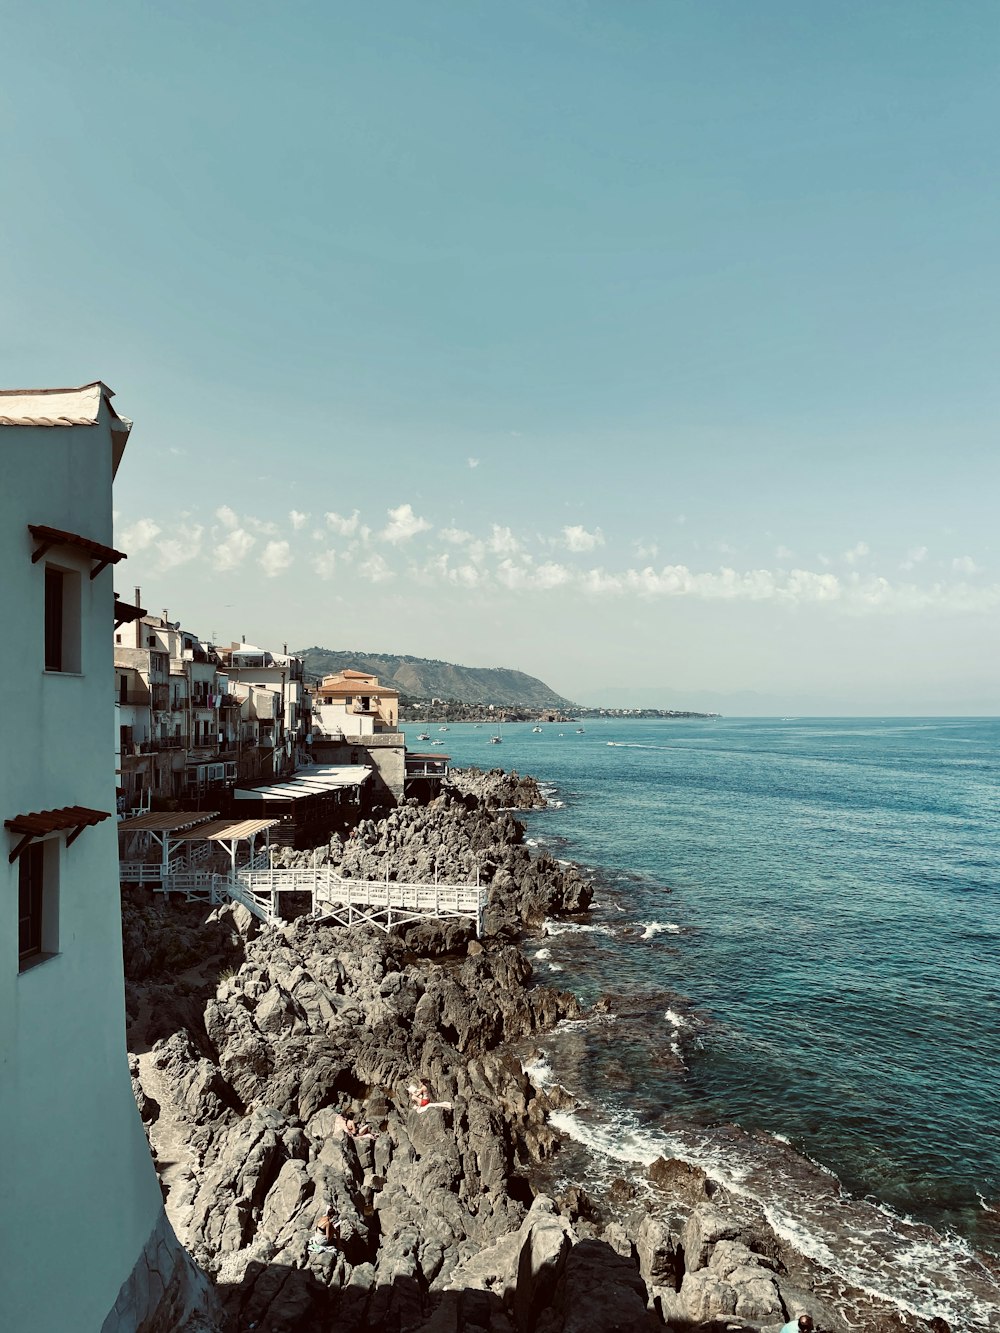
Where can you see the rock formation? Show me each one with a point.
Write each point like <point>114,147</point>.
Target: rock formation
<point>253,1047</point>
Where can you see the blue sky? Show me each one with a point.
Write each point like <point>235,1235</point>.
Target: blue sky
<point>641,346</point>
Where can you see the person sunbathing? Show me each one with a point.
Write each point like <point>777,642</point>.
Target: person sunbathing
<point>326,1232</point>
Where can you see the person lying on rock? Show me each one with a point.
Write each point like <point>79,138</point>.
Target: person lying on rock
<point>421,1098</point>
<point>804,1324</point>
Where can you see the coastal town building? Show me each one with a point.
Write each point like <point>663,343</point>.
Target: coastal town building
<point>74,1147</point>
<point>355,721</point>
<point>177,734</point>
<point>269,688</point>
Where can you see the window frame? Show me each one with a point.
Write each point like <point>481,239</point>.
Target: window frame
<point>38,904</point>
<point>61,620</point>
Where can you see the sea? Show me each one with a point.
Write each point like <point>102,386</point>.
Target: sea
<point>792,966</point>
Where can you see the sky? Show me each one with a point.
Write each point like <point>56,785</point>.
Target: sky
<point>648,347</point>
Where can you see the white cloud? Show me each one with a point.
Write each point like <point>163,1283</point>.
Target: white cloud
<point>467,576</point>
<point>597,581</point>
<point>182,546</point>
<point>457,536</point>
<point>914,556</point>
<point>502,541</point>
<point>325,565</point>
<point>231,553</point>
<point>577,538</point>
<point>551,575</point>
<point>140,535</point>
<point>275,558</point>
<point>645,551</point>
<point>856,553</point>
<point>376,569</point>
<point>403,525</point>
<point>964,564</point>
<point>266,526</point>
<point>512,576</point>
<point>473,462</point>
<point>226,517</point>
<point>783,553</point>
<point>298,519</point>
<point>344,527</point>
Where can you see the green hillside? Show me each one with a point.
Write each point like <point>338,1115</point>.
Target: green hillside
<point>425,678</point>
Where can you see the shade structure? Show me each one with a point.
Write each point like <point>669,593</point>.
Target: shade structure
<point>227,830</point>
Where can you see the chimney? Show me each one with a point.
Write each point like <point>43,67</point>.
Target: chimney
<point>243,638</point>
<point>284,649</point>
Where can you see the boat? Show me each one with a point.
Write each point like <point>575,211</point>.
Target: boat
<point>424,736</point>
<point>498,738</point>
<point>579,731</point>
<point>437,742</point>
<point>536,728</point>
<point>442,728</point>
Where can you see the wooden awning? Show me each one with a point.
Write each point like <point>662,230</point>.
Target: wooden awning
<point>166,822</point>
<point>227,830</point>
<point>49,537</point>
<point>41,822</point>
<point>126,611</point>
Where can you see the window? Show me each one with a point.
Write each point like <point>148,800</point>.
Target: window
<point>62,619</point>
<point>38,905</point>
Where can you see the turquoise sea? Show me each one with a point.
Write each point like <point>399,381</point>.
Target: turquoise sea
<point>797,929</point>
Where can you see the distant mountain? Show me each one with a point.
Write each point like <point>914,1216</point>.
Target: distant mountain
<point>426,678</point>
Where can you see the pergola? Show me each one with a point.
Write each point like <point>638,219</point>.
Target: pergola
<point>163,829</point>
<point>226,833</point>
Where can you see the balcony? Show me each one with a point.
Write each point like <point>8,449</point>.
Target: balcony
<point>157,744</point>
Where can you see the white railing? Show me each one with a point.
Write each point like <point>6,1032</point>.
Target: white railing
<point>384,903</point>
<point>327,886</point>
<point>224,886</point>
<point>147,872</point>
<point>195,883</point>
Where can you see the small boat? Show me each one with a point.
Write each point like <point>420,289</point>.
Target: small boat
<point>437,742</point>
<point>579,731</point>
<point>536,728</point>
<point>424,736</point>
<point>442,728</point>
<point>496,740</point>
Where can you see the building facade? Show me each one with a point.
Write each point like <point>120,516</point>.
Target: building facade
<point>356,721</point>
<point>84,1242</point>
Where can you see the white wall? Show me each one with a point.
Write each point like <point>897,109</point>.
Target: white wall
<point>78,1194</point>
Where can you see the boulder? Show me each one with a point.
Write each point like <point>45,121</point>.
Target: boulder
<point>546,1240</point>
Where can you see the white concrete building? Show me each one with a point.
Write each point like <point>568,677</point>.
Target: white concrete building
<point>84,1243</point>
<point>270,686</point>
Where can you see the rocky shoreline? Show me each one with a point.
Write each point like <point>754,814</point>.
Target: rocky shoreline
<point>251,1046</point>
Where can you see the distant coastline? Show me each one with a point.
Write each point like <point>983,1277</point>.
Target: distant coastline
<point>453,710</point>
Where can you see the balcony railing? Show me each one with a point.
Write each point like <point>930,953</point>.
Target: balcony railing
<point>164,743</point>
